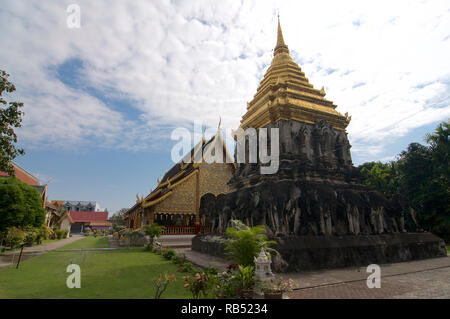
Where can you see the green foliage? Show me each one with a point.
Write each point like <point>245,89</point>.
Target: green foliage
<point>278,285</point>
<point>10,118</point>
<point>245,243</point>
<point>14,237</point>
<point>225,285</point>
<point>59,233</point>
<point>198,284</point>
<point>169,254</point>
<point>178,259</point>
<point>118,220</point>
<point>424,180</point>
<point>186,267</point>
<point>245,277</point>
<point>422,174</point>
<point>31,235</point>
<point>380,176</point>
<point>134,236</point>
<point>163,282</point>
<point>153,231</point>
<point>21,204</point>
<point>44,232</point>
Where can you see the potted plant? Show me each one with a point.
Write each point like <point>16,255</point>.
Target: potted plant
<point>275,287</point>
<point>245,277</point>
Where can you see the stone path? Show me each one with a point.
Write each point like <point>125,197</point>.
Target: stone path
<point>203,260</point>
<point>9,258</point>
<point>176,241</point>
<point>428,278</point>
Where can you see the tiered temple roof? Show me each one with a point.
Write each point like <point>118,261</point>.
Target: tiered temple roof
<point>182,170</point>
<point>286,94</point>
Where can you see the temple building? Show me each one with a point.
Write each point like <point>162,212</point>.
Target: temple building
<point>175,202</point>
<point>315,205</point>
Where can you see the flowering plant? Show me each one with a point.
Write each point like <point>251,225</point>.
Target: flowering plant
<point>232,267</point>
<point>163,282</point>
<point>197,284</point>
<point>225,284</point>
<point>277,285</point>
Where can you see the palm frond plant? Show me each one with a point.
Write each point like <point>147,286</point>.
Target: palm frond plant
<point>244,243</point>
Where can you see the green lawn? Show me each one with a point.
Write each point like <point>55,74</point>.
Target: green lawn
<point>88,242</point>
<point>448,249</point>
<point>104,274</point>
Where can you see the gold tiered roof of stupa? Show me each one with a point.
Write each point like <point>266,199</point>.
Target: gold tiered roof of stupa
<point>286,94</point>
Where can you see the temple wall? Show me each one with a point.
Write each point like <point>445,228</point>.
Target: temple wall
<point>214,178</point>
<point>182,199</point>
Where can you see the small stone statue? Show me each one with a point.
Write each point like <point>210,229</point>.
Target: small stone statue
<point>263,272</point>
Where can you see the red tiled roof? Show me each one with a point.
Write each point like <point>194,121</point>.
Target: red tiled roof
<point>84,217</point>
<point>22,175</point>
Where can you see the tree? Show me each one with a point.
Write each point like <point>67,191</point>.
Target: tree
<point>10,118</point>
<point>440,152</point>
<point>422,174</point>
<point>117,217</point>
<point>380,176</point>
<point>20,204</point>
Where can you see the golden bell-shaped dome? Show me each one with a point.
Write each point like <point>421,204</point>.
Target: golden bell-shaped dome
<point>286,94</point>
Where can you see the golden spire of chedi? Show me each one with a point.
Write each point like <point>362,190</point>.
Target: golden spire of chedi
<point>286,94</point>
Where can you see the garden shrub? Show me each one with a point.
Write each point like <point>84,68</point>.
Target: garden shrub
<point>186,267</point>
<point>135,236</point>
<point>21,204</point>
<point>14,237</point>
<point>59,233</point>
<point>169,254</point>
<point>198,284</point>
<point>225,284</point>
<point>153,231</point>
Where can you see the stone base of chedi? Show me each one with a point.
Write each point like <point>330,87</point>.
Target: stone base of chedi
<point>315,205</point>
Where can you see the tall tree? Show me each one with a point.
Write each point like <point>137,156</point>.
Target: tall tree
<point>20,204</point>
<point>422,174</point>
<point>380,176</point>
<point>10,118</point>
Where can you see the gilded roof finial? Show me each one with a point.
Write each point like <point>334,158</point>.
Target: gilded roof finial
<point>203,134</point>
<point>281,46</point>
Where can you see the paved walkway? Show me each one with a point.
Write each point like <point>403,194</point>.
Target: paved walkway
<point>429,278</point>
<point>176,241</point>
<point>46,247</point>
<point>203,260</point>
<point>9,258</point>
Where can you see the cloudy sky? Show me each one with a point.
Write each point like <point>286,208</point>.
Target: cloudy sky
<point>102,100</point>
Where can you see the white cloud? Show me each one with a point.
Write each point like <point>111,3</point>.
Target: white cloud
<point>184,60</point>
